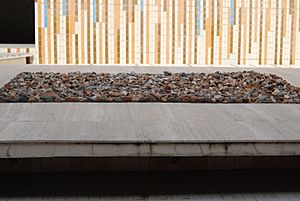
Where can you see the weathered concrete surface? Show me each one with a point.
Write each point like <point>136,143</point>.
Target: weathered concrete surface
<point>70,129</point>
<point>9,71</point>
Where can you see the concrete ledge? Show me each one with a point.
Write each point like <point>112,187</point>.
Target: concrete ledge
<point>20,60</point>
<point>17,60</point>
<point>148,130</point>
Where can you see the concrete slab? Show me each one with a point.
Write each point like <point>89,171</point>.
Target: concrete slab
<point>142,129</point>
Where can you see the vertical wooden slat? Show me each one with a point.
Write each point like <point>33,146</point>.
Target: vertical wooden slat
<point>89,27</point>
<point>220,24</point>
<point>40,33</point>
<point>72,28</point>
<point>250,26</point>
<point>190,31</point>
<point>167,10</point>
<point>147,31</point>
<point>256,21</point>
<point>207,35</point>
<point>142,36</point>
<point>83,32</point>
<point>293,32</point>
<point>181,15</point>
<point>276,33</point>
<point>158,33</point>
<point>260,34</point>
<point>128,14</point>
<point>49,33</point>
<point>240,36</point>
<point>212,39</point>
<point>245,34</point>
<point>283,30</point>
<point>133,32</point>
<point>196,32</point>
<point>267,30</point>
<point>116,29</point>
<point>173,32</point>
<point>106,32</point>
<point>229,35</point>
<point>55,29</point>
<point>76,49</point>
<point>184,32</point>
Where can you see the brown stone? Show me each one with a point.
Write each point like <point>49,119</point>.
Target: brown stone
<point>194,99</point>
<point>127,98</point>
<point>114,93</point>
<point>72,99</point>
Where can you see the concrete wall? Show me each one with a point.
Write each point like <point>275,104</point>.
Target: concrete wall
<point>13,61</point>
<point>168,32</point>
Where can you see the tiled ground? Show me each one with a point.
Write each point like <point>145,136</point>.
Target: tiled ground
<point>265,185</point>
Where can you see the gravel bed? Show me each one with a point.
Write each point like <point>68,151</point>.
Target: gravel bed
<point>233,87</point>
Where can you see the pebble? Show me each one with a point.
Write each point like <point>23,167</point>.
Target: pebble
<point>230,87</point>
<point>167,73</point>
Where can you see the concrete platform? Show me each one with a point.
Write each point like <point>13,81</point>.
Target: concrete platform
<point>114,130</point>
<point>147,129</point>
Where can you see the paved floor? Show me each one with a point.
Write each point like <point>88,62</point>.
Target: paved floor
<point>263,185</point>
<point>9,71</point>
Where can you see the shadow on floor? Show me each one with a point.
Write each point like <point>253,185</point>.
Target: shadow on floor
<point>78,184</point>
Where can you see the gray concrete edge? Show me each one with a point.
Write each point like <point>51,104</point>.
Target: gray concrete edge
<point>45,150</point>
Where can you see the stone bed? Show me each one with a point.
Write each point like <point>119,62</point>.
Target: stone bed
<point>233,87</point>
